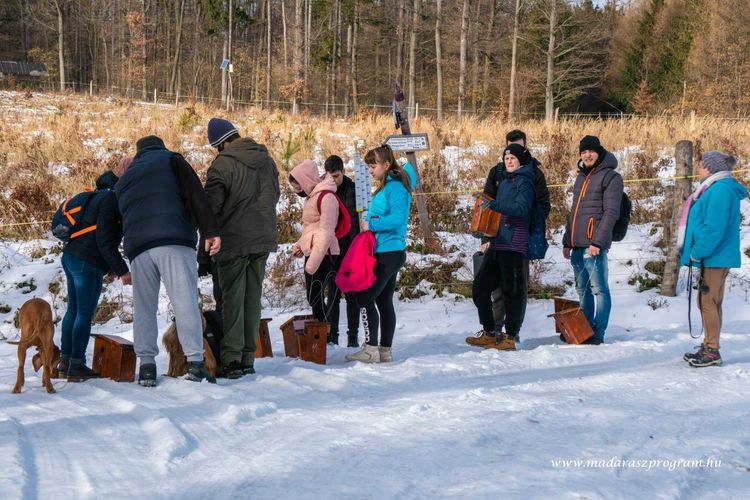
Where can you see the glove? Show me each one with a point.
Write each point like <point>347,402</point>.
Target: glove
<point>204,268</point>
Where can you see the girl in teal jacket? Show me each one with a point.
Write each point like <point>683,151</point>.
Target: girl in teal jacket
<point>387,218</point>
<point>712,243</point>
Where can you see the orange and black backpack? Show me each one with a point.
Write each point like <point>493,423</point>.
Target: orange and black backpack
<point>68,223</point>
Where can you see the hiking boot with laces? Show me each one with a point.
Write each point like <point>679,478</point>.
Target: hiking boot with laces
<point>78,371</point>
<point>233,370</point>
<point>147,375</point>
<point>707,357</point>
<point>692,355</point>
<point>482,338</point>
<point>503,342</point>
<point>196,372</point>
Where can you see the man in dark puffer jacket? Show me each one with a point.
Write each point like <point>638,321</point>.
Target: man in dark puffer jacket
<point>497,175</point>
<point>161,198</point>
<point>243,188</point>
<point>597,194</point>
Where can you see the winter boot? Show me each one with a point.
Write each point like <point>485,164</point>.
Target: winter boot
<point>386,354</point>
<point>63,365</point>
<point>503,342</point>
<point>333,338</point>
<point>368,354</point>
<point>248,364</point>
<point>78,371</point>
<point>233,370</point>
<point>593,341</point>
<point>482,338</point>
<point>707,357</point>
<point>147,375</point>
<point>693,355</point>
<point>352,340</point>
<point>196,372</point>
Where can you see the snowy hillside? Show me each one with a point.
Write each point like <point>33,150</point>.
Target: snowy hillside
<point>627,419</point>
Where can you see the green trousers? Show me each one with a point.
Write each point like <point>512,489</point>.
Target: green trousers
<point>241,281</point>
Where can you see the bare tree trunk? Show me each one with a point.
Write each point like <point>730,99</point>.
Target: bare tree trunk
<point>60,6</point>
<point>549,101</point>
<point>308,30</point>
<point>475,57</point>
<point>347,82</point>
<point>462,59</point>
<point>179,16</point>
<point>268,50</point>
<point>355,29</point>
<point>683,155</point>
<point>488,43</point>
<point>400,42</point>
<point>144,91</point>
<point>512,93</point>
<point>439,59</point>
<point>297,56</point>
<point>413,55</point>
<point>224,73</point>
<point>229,56</point>
<point>283,28</point>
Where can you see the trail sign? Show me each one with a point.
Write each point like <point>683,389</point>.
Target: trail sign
<point>362,183</point>
<point>224,64</point>
<point>410,142</point>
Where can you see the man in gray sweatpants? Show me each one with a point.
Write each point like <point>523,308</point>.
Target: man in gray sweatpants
<point>161,199</point>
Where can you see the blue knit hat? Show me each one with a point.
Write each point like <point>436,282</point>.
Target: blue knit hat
<point>219,131</point>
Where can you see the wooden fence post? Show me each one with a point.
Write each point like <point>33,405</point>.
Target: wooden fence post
<point>683,155</point>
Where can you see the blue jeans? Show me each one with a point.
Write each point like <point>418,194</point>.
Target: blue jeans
<point>591,282</point>
<point>84,288</point>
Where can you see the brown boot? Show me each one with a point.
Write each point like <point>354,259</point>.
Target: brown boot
<point>504,342</point>
<point>482,338</point>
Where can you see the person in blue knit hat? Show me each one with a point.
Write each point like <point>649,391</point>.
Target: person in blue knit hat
<point>243,189</point>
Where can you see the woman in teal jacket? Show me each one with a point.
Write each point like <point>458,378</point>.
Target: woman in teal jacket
<point>387,217</point>
<point>712,243</point>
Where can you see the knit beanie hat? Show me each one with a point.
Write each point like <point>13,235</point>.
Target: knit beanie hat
<point>591,143</point>
<point>716,161</point>
<point>148,142</point>
<point>107,180</point>
<point>219,130</point>
<point>518,151</point>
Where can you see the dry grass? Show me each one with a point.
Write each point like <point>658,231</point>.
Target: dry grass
<point>52,146</point>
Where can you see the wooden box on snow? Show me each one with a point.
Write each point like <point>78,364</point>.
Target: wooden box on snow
<point>114,357</point>
<point>264,340</point>
<point>312,342</point>
<point>291,329</point>
<point>573,325</point>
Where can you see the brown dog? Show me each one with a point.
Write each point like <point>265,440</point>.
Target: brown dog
<point>37,329</point>
<point>177,360</point>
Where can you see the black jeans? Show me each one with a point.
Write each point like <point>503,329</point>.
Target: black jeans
<point>352,310</point>
<point>318,287</point>
<point>376,302</point>
<point>506,270</point>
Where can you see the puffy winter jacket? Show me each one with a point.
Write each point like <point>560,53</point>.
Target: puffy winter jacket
<point>713,229</point>
<point>318,227</point>
<point>243,188</point>
<point>514,200</point>
<point>498,174</point>
<point>388,214</point>
<point>595,210</point>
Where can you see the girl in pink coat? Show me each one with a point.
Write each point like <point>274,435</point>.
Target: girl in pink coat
<point>318,242</point>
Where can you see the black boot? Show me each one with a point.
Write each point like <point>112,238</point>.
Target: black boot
<point>78,371</point>
<point>333,338</point>
<point>147,375</point>
<point>196,372</point>
<point>233,370</point>
<point>352,340</point>
<point>63,365</point>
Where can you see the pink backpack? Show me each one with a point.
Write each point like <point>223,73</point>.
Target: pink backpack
<point>357,270</point>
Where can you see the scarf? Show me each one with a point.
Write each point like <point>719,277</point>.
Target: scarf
<point>682,228</point>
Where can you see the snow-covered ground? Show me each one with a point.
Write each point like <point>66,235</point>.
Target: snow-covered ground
<point>628,419</point>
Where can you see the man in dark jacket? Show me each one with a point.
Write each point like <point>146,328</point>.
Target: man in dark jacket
<point>161,198</point>
<point>86,259</point>
<point>334,165</point>
<point>496,176</point>
<point>597,194</point>
<point>243,188</point>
